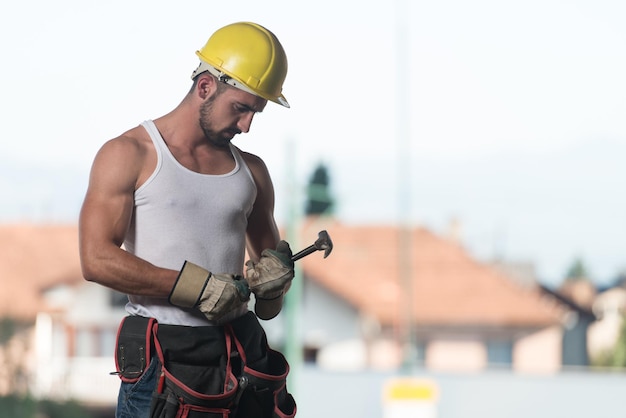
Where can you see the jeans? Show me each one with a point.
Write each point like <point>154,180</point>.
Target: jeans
<point>134,399</point>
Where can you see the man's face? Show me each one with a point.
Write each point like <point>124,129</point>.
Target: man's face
<point>228,112</point>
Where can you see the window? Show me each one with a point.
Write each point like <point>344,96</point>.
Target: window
<point>499,354</point>
<point>420,352</point>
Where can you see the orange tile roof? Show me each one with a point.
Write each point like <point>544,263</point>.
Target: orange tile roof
<point>33,257</point>
<point>448,286</point>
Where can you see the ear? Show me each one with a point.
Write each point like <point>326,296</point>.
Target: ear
<point>206,86</point>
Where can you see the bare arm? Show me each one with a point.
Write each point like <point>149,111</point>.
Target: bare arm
<point>104,220</point>
<point>262,231</point>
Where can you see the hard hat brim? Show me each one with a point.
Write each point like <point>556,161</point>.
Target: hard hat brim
<point>230,79</point>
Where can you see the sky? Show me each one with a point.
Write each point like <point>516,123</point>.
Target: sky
<point>505,117</point>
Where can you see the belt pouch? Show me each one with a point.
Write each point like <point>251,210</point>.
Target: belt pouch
<point>133,347</point>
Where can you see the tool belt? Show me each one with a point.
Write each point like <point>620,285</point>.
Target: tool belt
<point>215,371</point>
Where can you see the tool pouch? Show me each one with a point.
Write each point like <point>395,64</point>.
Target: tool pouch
<point>264,373</point>
<point>265,395</point>
<point>225,372</point>
<point>197,378</point>
<point>133,347</point>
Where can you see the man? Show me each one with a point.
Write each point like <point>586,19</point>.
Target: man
<point>170,210</point>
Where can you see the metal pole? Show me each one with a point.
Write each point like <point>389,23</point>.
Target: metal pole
<point>293,336</point>
<point>405,230</point>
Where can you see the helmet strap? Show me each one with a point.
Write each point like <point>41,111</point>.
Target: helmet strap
<point>221,76</point>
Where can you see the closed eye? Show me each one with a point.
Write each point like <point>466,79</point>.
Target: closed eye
<point>243,108</point>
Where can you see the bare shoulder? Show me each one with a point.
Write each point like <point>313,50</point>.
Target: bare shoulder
<point>131,144</point>
<point>255,164</point>
<point>130,154</point>
<point>260,173</point>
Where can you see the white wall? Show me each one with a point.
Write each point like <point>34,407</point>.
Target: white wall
<point>539,352</point>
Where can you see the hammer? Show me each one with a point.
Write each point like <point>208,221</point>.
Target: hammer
<point>323,242</point>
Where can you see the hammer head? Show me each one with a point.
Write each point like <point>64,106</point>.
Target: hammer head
<point>324,242</point>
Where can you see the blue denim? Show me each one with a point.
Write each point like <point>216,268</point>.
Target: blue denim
<point>134,399</point>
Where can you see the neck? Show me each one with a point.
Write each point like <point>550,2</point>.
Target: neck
<point>180,126</point>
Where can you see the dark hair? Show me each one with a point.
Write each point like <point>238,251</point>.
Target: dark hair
<point>220,86</point>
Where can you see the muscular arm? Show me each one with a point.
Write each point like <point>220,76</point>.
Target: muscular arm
<point>262,231</point>
<point>104,220</point>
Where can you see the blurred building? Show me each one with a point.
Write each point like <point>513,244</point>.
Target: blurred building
<point>356,312</point>
<point>459,314</point>
<point>65,327</point>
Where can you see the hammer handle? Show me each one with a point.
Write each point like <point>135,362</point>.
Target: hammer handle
<point>308,250</point>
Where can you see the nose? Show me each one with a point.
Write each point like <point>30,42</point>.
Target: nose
<point>245,122</point>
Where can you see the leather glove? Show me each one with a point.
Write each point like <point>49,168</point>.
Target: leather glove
<point>215,295</point>
<point>269,279</point>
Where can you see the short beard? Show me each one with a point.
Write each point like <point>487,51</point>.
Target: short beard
<point>206,110</point>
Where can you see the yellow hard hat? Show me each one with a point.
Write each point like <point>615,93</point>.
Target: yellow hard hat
<point>248,56</point>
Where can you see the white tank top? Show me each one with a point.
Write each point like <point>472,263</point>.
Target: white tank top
<point>184,215</point>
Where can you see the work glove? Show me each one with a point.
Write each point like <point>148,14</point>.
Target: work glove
<point>269,279</point>
<point>215,295</point>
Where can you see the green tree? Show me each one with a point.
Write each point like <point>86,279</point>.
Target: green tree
<point>15,406</point>
<point>577,271</point>
<point>319,199</point>
<point>68,409</point>
<point>7,329</point>
<point>615,357</point>
<point>619,351</point>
